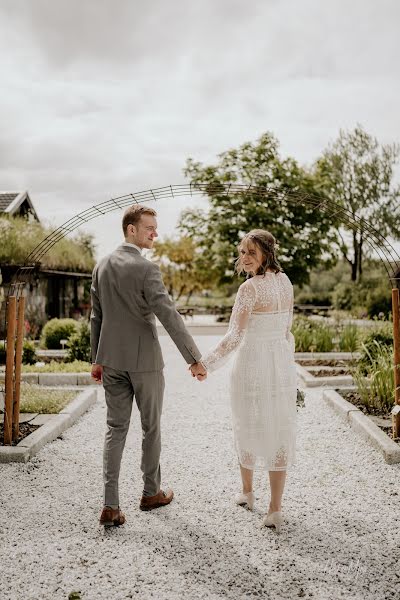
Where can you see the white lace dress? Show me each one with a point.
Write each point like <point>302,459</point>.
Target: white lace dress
<point>263,378</point>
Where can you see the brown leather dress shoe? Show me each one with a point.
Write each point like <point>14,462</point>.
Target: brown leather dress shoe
<point>112,517</point>
<point>160,499</point>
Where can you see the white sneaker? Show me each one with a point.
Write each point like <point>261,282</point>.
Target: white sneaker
<point>275,519</point>
<point>245,500</point>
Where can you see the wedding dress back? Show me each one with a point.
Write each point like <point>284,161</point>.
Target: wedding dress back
<point>263,377</point>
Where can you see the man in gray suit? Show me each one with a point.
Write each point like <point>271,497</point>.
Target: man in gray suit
<point>127,291</point>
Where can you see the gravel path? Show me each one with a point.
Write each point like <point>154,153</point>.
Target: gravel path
<point>340,540</point>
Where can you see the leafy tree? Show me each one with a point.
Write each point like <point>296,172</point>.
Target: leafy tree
<point>357,172</point>
<point>185,269</point>
<point>305,235</point>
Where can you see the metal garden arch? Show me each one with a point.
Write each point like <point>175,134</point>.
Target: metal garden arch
<point>15,300</point>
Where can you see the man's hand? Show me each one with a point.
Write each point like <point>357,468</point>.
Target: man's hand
<point>198,371</point>
<point>97,373</point>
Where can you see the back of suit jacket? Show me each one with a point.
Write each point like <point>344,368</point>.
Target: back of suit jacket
<point>127,291</point>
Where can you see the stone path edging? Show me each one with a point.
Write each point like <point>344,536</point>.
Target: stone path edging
<point>30,446</point>
<point>310,380</point>
<point>363,425</point>
<point>49,379</point>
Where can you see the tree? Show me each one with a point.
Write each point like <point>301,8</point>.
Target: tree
<point>357,172</point>
<point>183,267</point>
<point>305,235</point>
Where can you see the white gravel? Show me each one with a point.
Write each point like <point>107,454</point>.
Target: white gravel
<point>340,540</point>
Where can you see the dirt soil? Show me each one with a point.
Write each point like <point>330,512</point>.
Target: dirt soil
<point>325,362</point>
<point>355,399</point>
<point>24,430</point>
<point>327,373</point>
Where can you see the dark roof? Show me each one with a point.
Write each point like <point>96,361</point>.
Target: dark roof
<point>6,198</point>
<point>11,203</point>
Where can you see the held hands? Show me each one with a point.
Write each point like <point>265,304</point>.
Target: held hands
<point>198,371</point>
<point>97,373</point>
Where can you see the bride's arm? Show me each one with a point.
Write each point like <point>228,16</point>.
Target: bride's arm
<point>244,303</point>
<point>289,334</point>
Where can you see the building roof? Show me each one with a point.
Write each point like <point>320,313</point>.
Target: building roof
<point>6,198</point>
<point>10,203</point>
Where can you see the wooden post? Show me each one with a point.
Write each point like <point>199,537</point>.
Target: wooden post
<point>18,363</point>
<point>396,353</point>
<point>8,412</point>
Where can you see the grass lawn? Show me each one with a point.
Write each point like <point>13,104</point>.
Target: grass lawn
<point>36,399</point>
<point>77,366</point>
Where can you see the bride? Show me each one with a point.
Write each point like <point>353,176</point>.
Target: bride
<point>263,378</point>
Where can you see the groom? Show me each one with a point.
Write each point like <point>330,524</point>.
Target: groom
<point>127,291</point>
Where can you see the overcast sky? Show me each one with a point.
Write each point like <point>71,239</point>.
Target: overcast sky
<point>101,98</point>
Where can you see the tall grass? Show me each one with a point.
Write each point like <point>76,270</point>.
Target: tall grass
<point>376,388</point>
<point>19,237</point>
<point>303,335</point>
<point>349,338</point>
<point>323,338</point>
<point>312,336</point>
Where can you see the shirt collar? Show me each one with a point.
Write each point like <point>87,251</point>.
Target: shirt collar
<point>129,244</point>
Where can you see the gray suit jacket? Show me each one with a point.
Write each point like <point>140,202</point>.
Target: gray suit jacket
<point>127,291</point>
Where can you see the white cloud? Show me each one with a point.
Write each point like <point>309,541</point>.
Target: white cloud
<point>107,98</point>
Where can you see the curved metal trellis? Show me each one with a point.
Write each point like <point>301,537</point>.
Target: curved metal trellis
<point>378,243</point>
<point>381,245</point>
<point>373,238</point>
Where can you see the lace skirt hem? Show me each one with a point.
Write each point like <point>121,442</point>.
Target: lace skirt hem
<point>266,467</point>
<point>281,461</point>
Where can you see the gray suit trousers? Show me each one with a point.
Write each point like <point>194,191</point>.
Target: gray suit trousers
<point>120,388</point>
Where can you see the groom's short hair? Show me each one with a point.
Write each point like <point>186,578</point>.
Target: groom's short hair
<point>134,213</point>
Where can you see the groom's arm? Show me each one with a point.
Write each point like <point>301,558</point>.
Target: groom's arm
<point>157,297</point>
<point>96,316</point>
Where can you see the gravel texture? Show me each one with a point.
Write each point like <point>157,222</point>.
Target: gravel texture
<point>341,505</point>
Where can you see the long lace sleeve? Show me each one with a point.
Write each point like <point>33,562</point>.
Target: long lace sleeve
<point>244,303</point>
<point>289,334</point>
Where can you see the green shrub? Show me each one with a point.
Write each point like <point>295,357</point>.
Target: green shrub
<point>346,296</point>
<point>379,302</point>
<point>56,330</point>
<point>315,298</point>
<point>79,344</point>
<point>29,356</point>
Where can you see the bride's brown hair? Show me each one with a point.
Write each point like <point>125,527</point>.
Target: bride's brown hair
<point>266,242</point>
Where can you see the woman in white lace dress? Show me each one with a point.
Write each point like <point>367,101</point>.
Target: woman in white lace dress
<point>263,377</point>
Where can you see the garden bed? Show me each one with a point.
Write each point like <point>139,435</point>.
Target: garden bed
<point>25,429</point>
<point>45,426</point>
<point>326,362</point>
<point>375,428</point>
<point>326,371</point>
<point>382,419</point>
<point>323,374</point>
<point>36,400</point>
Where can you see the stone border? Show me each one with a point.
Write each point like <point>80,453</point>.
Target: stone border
<point>55,379</point>
<point>364,426</point>
<point>328,355</point>
<point>310,380</point>
<point>50,430</point>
